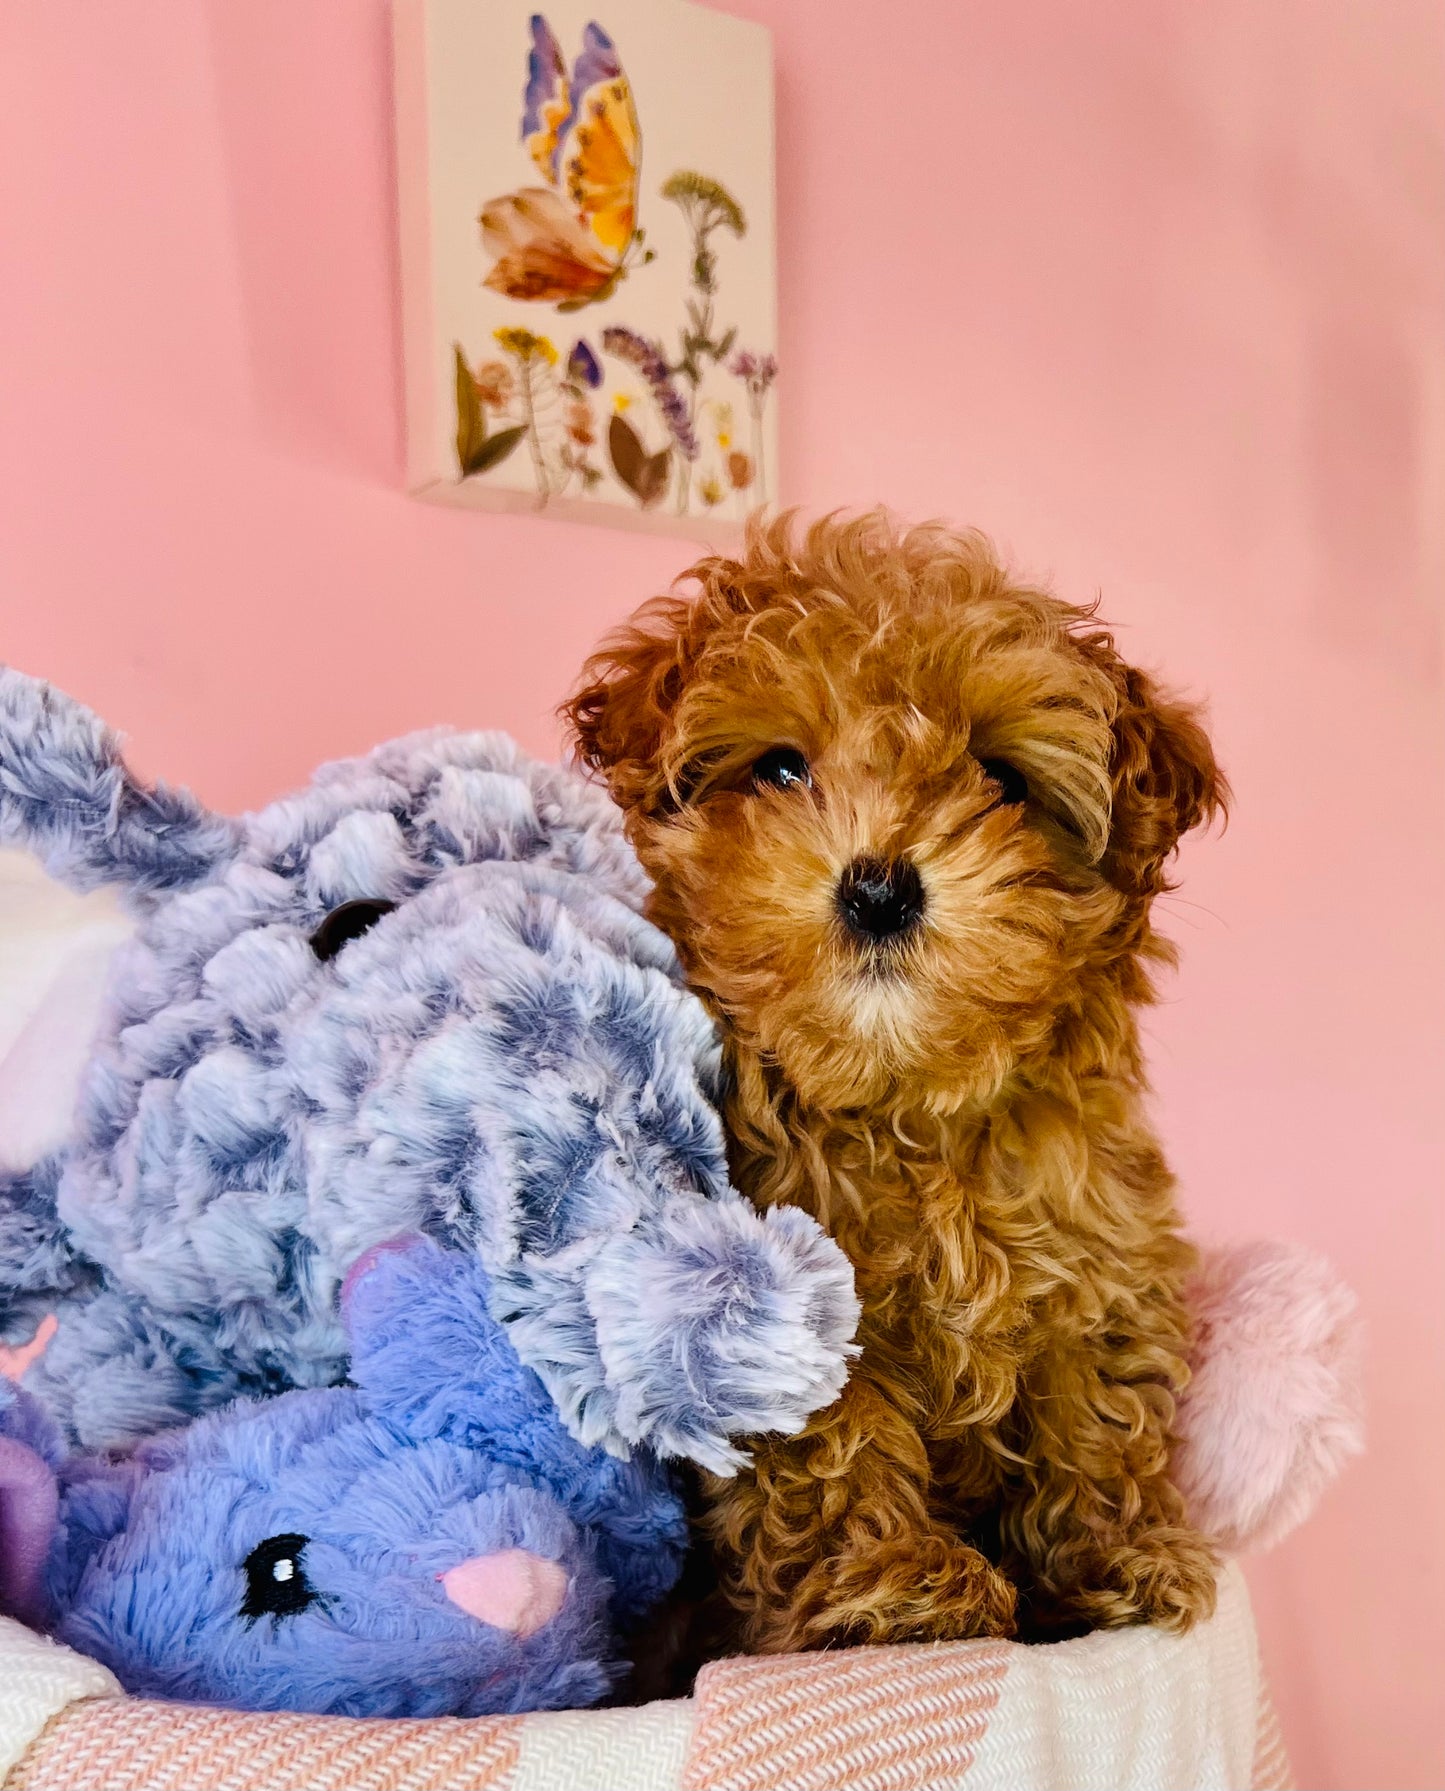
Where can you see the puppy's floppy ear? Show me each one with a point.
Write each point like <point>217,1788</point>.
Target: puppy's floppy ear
<point>621,715</point>
<point>1165,782</point>
<point>618,716</point>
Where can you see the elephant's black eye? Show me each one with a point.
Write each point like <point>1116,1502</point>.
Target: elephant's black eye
<point>783,768</point>
<point>276,1583</point>
<point>346,923</point>
<point>1013,786</point>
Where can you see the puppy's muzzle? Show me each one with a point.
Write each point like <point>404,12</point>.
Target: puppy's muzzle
<point>880,902</point>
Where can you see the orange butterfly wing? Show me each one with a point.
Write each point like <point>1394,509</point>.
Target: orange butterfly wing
<point>600,161</point>
<point>542,250</point>
<point>565,243</point>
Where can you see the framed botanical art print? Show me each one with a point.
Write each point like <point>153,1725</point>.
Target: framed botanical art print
<point>588,262</point>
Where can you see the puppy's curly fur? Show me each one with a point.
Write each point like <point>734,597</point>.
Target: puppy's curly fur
<point>953,1087</point>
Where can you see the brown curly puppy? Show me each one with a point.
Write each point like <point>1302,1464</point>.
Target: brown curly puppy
<point>906,819</point>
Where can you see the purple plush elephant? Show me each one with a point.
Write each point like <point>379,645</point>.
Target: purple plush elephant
<point>431,1541</point>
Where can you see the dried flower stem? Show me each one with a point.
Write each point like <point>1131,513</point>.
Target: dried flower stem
<point>707,206</point>
<point>534,439</point>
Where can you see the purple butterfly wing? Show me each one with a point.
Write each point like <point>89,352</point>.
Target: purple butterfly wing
<point>546,100</point>
<point>598,62</point>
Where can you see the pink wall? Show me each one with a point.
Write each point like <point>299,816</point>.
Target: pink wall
<point>1153,291</point>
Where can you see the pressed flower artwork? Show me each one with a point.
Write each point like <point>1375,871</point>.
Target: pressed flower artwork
<point>588,261</point>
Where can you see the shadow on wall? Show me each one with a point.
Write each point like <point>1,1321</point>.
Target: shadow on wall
<point>311,187</point>
<point>1378,493</point>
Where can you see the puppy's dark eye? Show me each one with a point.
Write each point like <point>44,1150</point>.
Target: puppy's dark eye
<point>276,1583</point>
<point>1012,784</point>
<point>346,923</point>
<point>783,768</point>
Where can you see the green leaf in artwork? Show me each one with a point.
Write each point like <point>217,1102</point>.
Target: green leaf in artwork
<point>471,422</point>
<point>495,448</point>
<point>476,450</point>
<point>653,482</point>
<point>644,474</point>
<point>626,451</point>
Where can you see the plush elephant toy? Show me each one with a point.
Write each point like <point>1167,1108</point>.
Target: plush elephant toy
<point>430,1542</point>
<point>417,997</point>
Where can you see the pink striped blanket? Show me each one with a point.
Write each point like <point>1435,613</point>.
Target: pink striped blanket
<point>1129,1711</point>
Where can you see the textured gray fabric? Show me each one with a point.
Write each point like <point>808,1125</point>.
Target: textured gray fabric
<point>506,1060</point>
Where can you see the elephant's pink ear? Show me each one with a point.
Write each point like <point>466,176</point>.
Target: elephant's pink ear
<point>15,1358</point>
<point>29,1518</point>
<point>379,1284</point>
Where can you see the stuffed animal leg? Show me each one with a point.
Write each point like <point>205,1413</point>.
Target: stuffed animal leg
<point>1274,1409</point>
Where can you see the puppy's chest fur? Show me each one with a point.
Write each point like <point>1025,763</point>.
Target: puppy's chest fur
<point>979,1245</point>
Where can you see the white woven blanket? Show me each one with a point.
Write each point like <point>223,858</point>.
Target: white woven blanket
<point>1134,1710</point>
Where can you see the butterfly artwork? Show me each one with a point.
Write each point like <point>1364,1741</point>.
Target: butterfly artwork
<point>590,332</point>
<point>570,242</point>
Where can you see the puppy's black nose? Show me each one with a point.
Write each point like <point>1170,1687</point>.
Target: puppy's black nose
<point>881,901</point>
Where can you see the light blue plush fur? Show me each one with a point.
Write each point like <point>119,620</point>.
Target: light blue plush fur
<point>507,1061</point>
<point>447,1450</point>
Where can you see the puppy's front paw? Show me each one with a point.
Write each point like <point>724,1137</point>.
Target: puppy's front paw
<point>1165,1577</point>
<point>915,1588</point>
